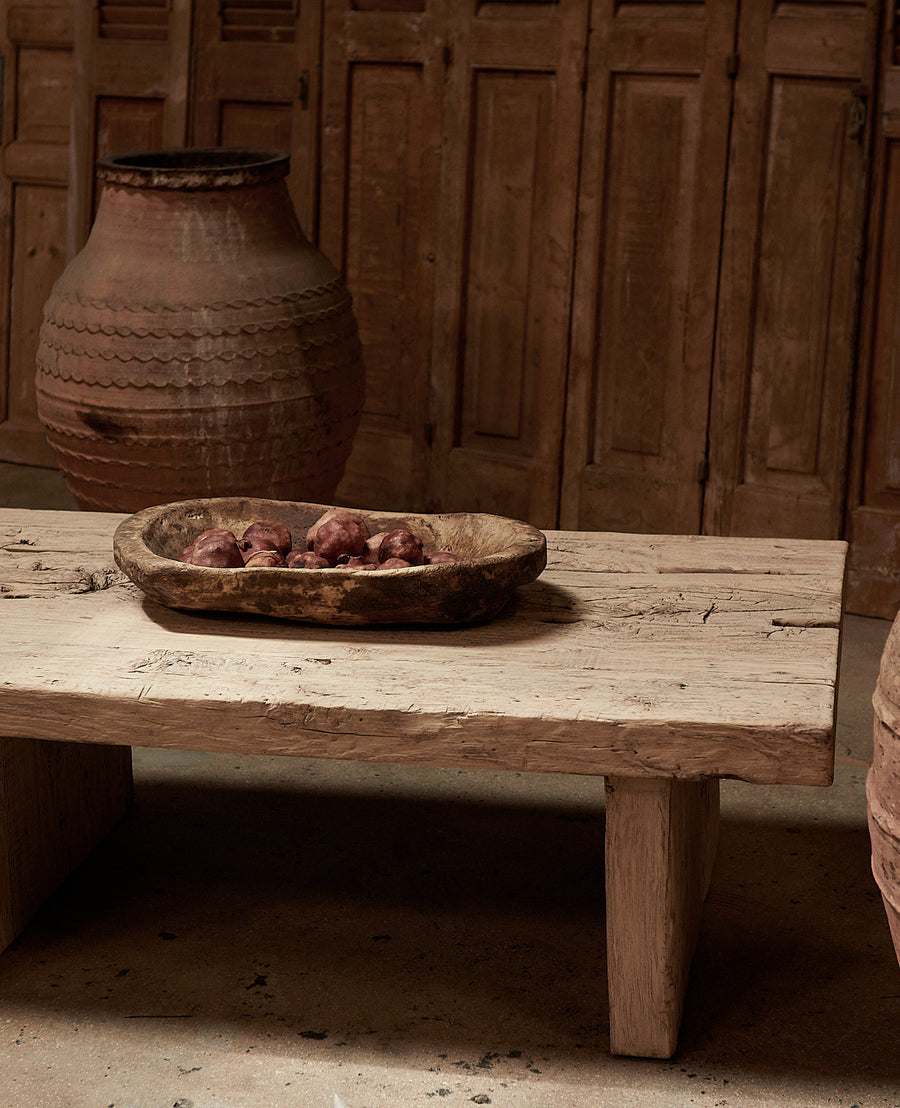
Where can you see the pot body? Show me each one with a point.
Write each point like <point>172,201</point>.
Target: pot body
<point>198,345</point>
<point>883,783</point>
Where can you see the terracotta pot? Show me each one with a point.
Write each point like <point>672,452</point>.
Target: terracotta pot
<point>198,345</point>
<point>883,783</point>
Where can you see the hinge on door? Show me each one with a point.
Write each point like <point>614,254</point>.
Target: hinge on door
<point>303,89</point>
<point>857,107</point>
<point>732,65</point>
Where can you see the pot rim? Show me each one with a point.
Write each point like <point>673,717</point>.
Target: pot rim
<point>194,167</point>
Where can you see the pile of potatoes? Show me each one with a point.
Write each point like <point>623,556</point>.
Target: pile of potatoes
<point>337,539</point>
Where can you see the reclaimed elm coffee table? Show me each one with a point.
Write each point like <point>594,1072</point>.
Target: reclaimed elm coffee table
<point>661,663</point>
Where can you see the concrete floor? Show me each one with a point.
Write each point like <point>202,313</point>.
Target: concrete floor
<point>302,934</point>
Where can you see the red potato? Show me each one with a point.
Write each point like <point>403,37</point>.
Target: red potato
<point>212,535</point>
<point>214,532</point>
<point>332,513</point>
<point>249,547</point>
<point>354,561</point>
<point>401,543</point>
<point>373,543</point>
<point>314,530</point>
<point>218,552</point>
<point>260,559</point>
<point>267,530</point>
<point>341,534</point>
<point>306,559</point>
<point>337,539</point>
<point>395,563</point>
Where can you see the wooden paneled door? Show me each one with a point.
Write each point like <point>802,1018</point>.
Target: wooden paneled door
<point>790,269</point>
<point>873,519</point>
<point>379,214</point>
<point>451,135</point>
<point>658,107</point>
<point>35,93</point>
<point>721,226</point>
<point>513,118</point>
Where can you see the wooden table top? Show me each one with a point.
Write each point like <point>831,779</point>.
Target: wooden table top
<point>634,655</point>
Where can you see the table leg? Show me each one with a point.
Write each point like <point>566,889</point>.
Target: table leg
<point>661,837</point>
<point>57,800</point>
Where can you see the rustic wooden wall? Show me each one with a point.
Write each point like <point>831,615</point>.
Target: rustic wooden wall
<point>650,205</point>
<point>873,524</point>
<point>616,266</point>
<point>36,47</point>
<point>450,154</point>
<point>789,287</point>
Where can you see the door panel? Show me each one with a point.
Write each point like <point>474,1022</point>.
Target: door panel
<point>873,521</point>
<point>384,214</point>
<point>512,121</point>
<point>799,376</point>
<point>378,216</point>
<point>510,179</point>
<point>652,187</point>
<point>791,246</point>
<point>37,75</point>
<point>243,124</point>
<point>128,123</point>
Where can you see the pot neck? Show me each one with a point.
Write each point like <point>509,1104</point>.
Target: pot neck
<point>193,168</point>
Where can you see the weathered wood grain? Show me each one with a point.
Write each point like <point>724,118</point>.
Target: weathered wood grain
<point>652,178</point>
<point>57,799</point>
<point>649,667</point>
<point>660,662</point>
<point>497,554</point>
<point>661,838</point>
<point>791,238</point>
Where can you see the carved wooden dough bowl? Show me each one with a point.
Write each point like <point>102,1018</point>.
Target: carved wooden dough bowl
<point>499,554</point>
